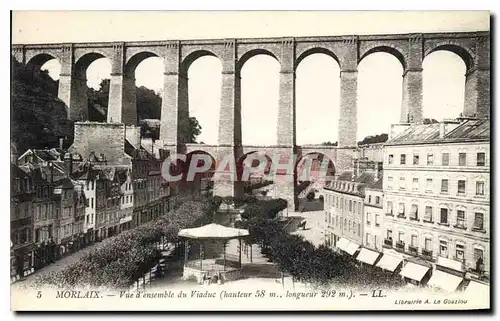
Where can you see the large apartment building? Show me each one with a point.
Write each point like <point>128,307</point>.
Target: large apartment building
<point>437,196</point>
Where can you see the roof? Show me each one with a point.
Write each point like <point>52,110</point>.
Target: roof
<point>376,185</point>
<point>213,231</point>
<point>471,129</point>
<point>475,129</point>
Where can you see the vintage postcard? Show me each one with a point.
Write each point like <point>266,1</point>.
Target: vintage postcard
<point>183,161</point>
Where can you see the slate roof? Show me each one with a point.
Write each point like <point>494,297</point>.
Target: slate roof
<point>429,133</point>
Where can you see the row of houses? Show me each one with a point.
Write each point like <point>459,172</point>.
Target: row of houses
<point>62,202</point>
<point>429,210</point>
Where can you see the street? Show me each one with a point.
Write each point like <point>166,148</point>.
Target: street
<point>55,267</point>
<point>315,218</point>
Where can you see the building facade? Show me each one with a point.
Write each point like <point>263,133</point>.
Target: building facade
<point>373,215</point>
<point>343,204</point>
<point>437,195</point>
<point>21,223</point>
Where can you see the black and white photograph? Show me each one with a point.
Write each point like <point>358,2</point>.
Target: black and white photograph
<point>250,160</point>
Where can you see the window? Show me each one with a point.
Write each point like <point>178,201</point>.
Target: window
<point>375,241</point>
<point>478,221</point>
<point>479,188</point>
<point>349,226</point>
<point>401,237</point>
<point>430,159</point>
<point>478,254</point>
<point>414,212</point>
<point>414,241</point>
<point>369,198</point>
<point>428,185</point>
<point>428,244</point>
<point>443,219</point>
<point>336,221</point>
<point>350,206</point>
<point>402,183</point>
<point>391,159</point>
<point>403,159</point>
<point>460,218</point>
<point>345,223</point>
<point>389,182</point>
<point>377,199</point>
<point>445,159</point>
<point>461,186</point>
<point>444,186</point>
<point>401,211</point>
<point>354,207</point>
<point>415,184</point>
<point>368,218</point>
<point>389,234</point>
<point>368,239</point>
<point>481,159</point>
<point>359,208</point>
<point>377,222</point>
<point>92,202</point>
<point>443,248</point>
<point>359,229</point>
<point>389,207</point>
<point>415,159</point>
<point>460,250</point>
<point>462,159</point>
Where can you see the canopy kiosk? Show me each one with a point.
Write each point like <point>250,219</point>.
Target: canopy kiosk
<point>206,253</point>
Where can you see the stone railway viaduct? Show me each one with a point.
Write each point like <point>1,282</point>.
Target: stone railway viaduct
<point>348,51</point>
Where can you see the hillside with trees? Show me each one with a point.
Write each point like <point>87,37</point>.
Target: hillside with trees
<point>38,117</point>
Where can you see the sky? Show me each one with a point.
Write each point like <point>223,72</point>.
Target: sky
<point>317,84</point>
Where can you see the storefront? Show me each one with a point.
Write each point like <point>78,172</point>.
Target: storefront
<point>448,275</point>
<point>416,274</point>
<point>445,281</point>
<point>368,256</point>
<point>389,262</point>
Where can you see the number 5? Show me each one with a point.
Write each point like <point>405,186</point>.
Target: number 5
<point>39,295</point>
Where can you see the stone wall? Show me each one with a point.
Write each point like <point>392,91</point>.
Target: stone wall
<point>100,138</point>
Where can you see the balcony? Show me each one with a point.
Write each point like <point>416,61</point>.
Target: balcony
<point>427,254</point>
<point>388,242</point>
<point>389,214</point>
<point>415,218</point>
<point>401,216</point>
<point>413,250</point>
<point>400,245</point>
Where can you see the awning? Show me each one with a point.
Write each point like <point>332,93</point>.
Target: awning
<point>367,256</point>
<point>389,262</point>
<point>451,264</point>
<point>414,271</point>
<point>352,248</point>
<point>477,288</point>
<point>342,243</point>
<point>445,281</point>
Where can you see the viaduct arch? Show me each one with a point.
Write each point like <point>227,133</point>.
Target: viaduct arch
<point>348,51</point>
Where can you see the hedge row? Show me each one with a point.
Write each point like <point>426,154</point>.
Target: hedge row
<point>316,265</point>
<point>120,260</point>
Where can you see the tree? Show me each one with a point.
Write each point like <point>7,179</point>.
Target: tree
<point>38,117</point>
<point>382,138</point>
<point>148,108</point>
<point>194,130</point>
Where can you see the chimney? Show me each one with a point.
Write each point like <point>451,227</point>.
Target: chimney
<point>442,129</point>
<point>61,142</point>
<point>68,159</point>
<point>51,165</point>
